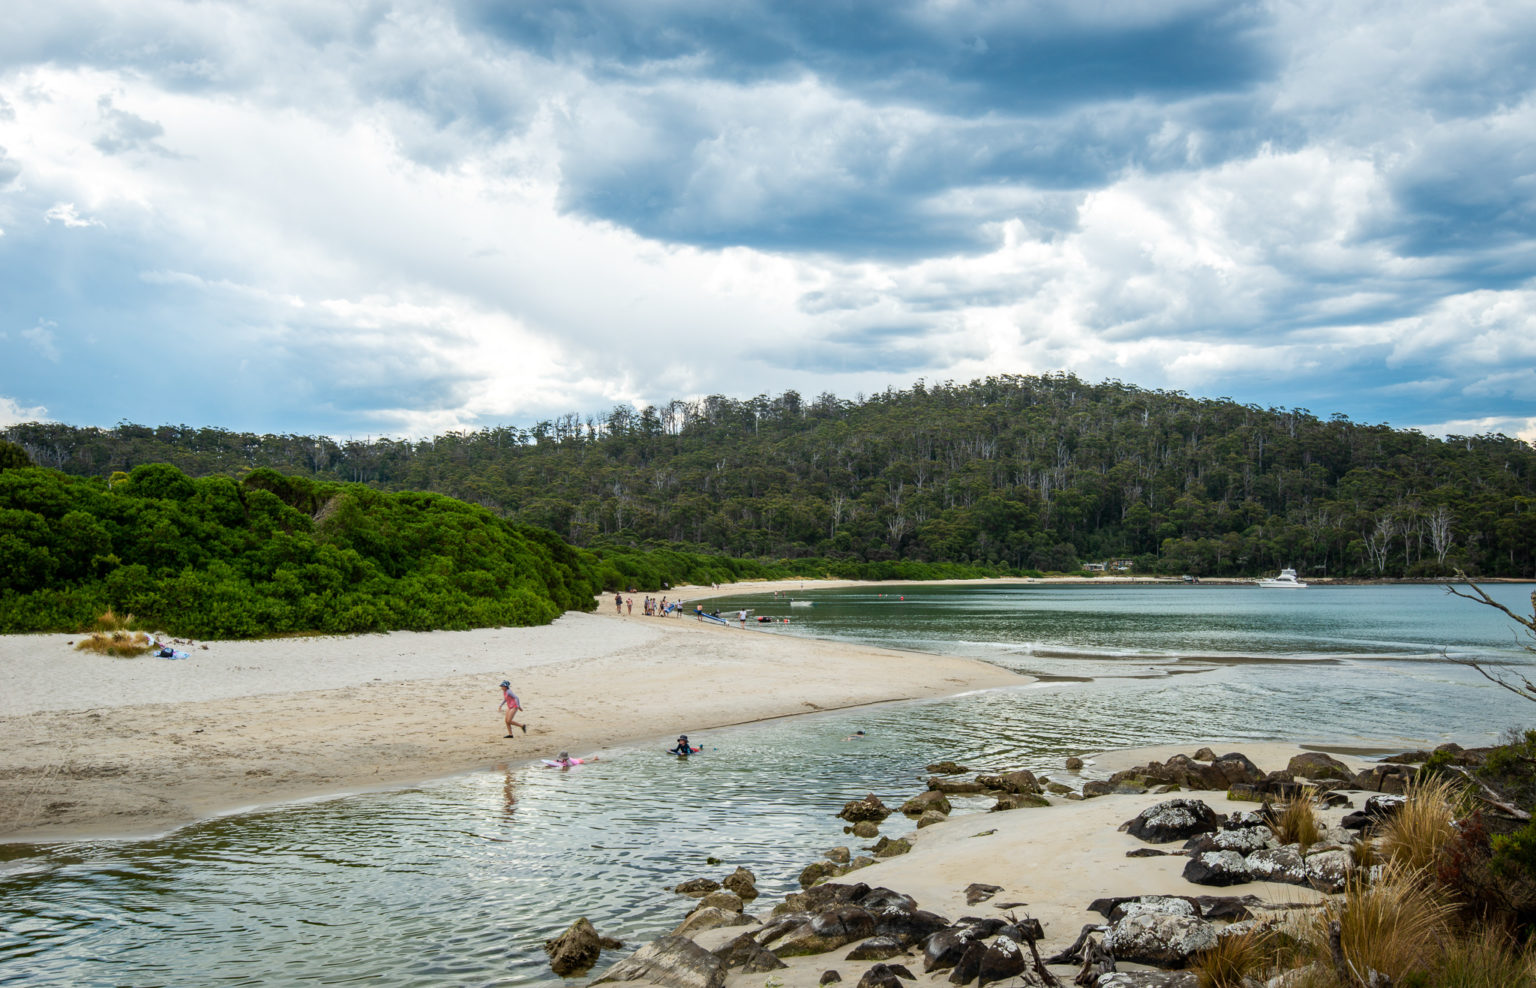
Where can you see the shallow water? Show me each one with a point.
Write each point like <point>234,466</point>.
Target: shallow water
<point>460,882</point>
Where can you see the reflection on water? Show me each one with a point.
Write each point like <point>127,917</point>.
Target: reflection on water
<point>460,882</point>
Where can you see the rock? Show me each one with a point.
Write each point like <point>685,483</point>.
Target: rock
<point>1002,960</point>
<point>1205,755</point>
<point>1165,941</point>
<point>1147,979</point>
<point>1097,787</point>
<point>930,800</point>
<point>930,818</point>
<point>1152,905</point>
<point>867,809</point>
<point>1217,868</point>
<point>955,787</point>
<point>1278,864</point>
<point>1146,852</point>
<point>1074,763</point>
<point>830,978</point>
<point>978,892</point>
<point>888,848</point>
<point>875,949</point>
<point>866,829</point>
<point>909,927</point>
<point>1232,908</point>
<point>1244,841</point>
<point>1022,781</point>
<point>1244,792</point>
<point>815,872</point>
<point>1408,758</point>
<point>710,918</point>
<point>1170,787</point>
<point>1245,820</point>
<point>1057,788</point>
<point>729,901</point>
<point>1237,767</point>
<point>880,976</point>
<point>1170,820</point>
<point>574,951</point>
<point>943,949</point>
<point>969,964</point>
<point>742,882</point>
<point>671,962</point>
<point>747,954</point>
<point>838,855</point>
<point>947,768</point>
<point>828,930</point>
<point>1018,800</point>
<point>1393,779</point>
<point>1316,765</point>
<point>696,887</point>
<point>1328,871</point>
<point>1376,809</point>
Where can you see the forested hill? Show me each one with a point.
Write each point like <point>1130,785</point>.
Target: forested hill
<point>1024,472</point>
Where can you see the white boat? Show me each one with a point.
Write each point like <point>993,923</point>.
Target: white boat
<point>1285,581</point>
<point>801,603</point>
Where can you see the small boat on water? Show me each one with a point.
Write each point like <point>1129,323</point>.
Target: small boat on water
<point>1285,581</point>
<point>801,603</point>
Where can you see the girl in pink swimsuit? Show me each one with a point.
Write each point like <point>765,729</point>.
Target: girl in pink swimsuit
<point>509,700</point>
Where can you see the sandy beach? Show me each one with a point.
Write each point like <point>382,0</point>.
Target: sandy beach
<point>96,746</point>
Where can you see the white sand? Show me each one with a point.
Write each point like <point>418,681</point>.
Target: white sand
<point>94,745</point>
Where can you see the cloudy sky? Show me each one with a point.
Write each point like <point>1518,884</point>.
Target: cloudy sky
<point>361,217</point>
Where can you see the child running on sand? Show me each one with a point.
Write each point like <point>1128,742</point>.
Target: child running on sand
<point>509,700</point>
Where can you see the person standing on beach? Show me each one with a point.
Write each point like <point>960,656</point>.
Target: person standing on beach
<point>741,616</point>
<point>509,700</point>
<point>618,603</point>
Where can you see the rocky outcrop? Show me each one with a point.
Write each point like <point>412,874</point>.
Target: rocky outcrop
<point>875,949</point>
<point>1316,765</point>
<point>1170,820</point>
<point>742,882</point>
<point>924,801</point>
<point>1217,868</point>
<point>1022,781</point>
<point>696,887</point>
<point>671,962</point>
<point>1159,939</point>
<point>746,954</point>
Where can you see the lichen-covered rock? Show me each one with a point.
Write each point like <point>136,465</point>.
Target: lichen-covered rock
<point>930,800</point>
<point>1244,841</point>
<point>1147,979</point>
<point>869,808</point>
<point>1217,868</point>
<point>1316,765</point>
<point>1152,905</point>
<point>1328,871</point>
<point>1278,864</point>
<point>671,962</point>
<point>1164,941</point>
<point>1173,819</point>
<point>574,951</point>
<point>742,882</point>
<point>1002,960</point>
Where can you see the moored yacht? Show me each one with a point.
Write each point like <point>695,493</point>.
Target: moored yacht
<point>1285,581</point>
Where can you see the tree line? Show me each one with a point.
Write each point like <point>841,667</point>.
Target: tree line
<point>1009,473</point>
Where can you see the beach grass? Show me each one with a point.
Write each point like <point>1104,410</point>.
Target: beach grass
<point>114,636</point>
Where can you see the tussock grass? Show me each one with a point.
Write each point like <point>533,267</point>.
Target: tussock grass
<point>1416,836</point>
<point>1235,958</point>
<point>1296,821</point>
<point>1487,959</point>
<point>1395,926</point>
<point>114,637</point>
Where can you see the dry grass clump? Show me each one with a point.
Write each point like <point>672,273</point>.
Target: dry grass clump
<point>114,637</point>
<point>1416,836</point>
<point>1394,926</point>
<point>1238,961</point>
<point>1488,959</point>
<point>1296,821</point>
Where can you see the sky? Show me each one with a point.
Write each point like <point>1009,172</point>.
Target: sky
<point>362,218</point>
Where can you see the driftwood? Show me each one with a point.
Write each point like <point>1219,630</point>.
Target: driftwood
<point>1096,961</point>
<point>1073,954</point>
<point>1032,931</point>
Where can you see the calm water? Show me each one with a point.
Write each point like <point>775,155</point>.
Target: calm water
<point>460,882</point>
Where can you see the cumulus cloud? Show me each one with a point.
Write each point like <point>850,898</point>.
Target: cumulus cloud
<point>444,213</point>
<point>13,412</point>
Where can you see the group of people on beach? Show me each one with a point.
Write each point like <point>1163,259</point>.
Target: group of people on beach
<point>651,607</point>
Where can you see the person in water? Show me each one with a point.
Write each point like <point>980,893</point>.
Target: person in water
<point>683,747</point>
<point>509,700</point>
<point>565,761</point>
<point>855,736</point>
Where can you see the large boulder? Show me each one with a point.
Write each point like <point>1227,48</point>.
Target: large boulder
<point>865,829</point>
<point>1244,841</point>
<point>883,976</point>
<point>1328,870</point>
<point>875,949</point>
<point>1316,765</point>
<point>1017,801</point>
<point>930,818</point>
<point>828,930</point>
<point>1173,819</point>
<point>1217,868</point>
<point>711,918</point>
<point>1377,809</point>
<point>888,848</point>
<point>1022,781</point>
<point>574,951</point>
<point>943,948</point>
<point>1160,940</point>
<point>1002,960</point>
<point>1237,768</point>
<point>1278,864</point>
<point>955,787</point>
<point>869,808</point>
<point>670,962</point>
<point>729,901</point>
<point>1394,779</point>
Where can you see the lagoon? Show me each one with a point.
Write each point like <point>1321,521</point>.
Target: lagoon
<point>460,881</point>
